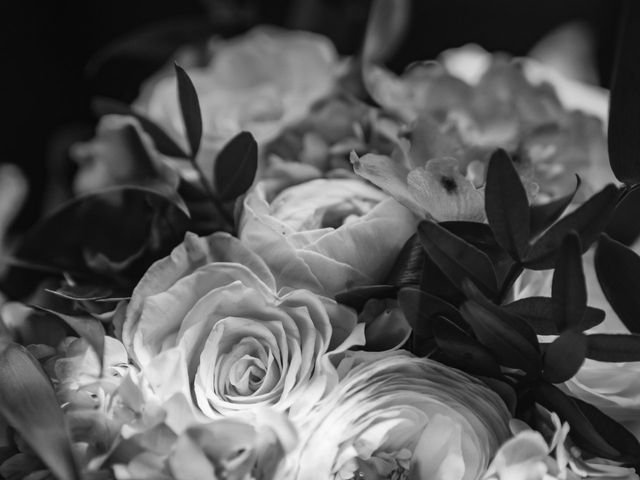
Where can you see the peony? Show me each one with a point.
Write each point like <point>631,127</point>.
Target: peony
<point>397,416</point>
<point>258,82</point>
<point>209,318</point>
<point>326,235</point>
<point>231,449</point>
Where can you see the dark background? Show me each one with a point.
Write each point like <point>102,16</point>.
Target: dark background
<point>57,55</point>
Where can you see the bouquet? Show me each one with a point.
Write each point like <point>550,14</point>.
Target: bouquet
<point>283,264</point>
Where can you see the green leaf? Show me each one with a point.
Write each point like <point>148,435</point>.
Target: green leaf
<point>387,25</point>
<point>588,221</point>
<point>458,259</point>
<point>624,108</point>
<point>462,350</point>
<point>563,357</point>
<point>542,217</point>
<point>407,269</point>
<point>503,336</point>
<point>613,347</point>
<point>236,166</point>
<point>507,206</point>
<point>357,297</point>
<point>163,142</point>
<point>618,271</point>
<point>420,308</point>
<point>569,290</point>
<point>540,313</point>
<point>582,430</point>
<point>29,404</point>
<point>190,109</point>
<point>87,327</point>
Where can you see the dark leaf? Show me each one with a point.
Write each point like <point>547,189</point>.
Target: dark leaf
<point>29,404</point>
<point>190,109</point>
<point>87,327</point>
<point>386,27</point>
<point>357,297</point>
<point>458,259</point>
<point>163,142</point>
<point>507,206</point>
<point>624,108</point>
<point>420,308</point>
<point>434,282</point>
<point>462,350</point>
<point>623,225</point>
<point>408,267</point>
<point>542,216</point>
<point>613,347</point>
<point>563,357</point>
<point>540,312</point>
<point>618,270</point>
<point>235,166</point>
<point>569,290</point>
<point>497,333</point>
<point>582,431</point>
<point>614,433</point>
<point>588,221</point>
<point>504,390</point>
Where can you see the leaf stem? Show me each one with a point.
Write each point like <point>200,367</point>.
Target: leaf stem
<point>217,204</point>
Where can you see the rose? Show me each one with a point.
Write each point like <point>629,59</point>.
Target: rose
<point>228,448</point>
<point>207,320</point>
<point>393,415</point>
<point>121,153</point>
<point>326,235</point>
<point>259,82</point>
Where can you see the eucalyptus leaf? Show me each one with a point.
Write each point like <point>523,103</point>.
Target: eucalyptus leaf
<point>236,166</point>
<point>29,405</point>
<point>624,107</point>
<point>420,308</point>
<point>497,333</point>
<point>407,268</point>
<point>507,206</point>
<point>542,216</point>
<point>618,271</point>
<point>564,356</point>
<point>462,350</point>
<point>569,290</point>
<point>190,109</point>
<point>588,220</point>
<point>458,259</point>
<point>163,142</point>
<point>87,327</point>
<point>613,347</point>
<point>540,313</point>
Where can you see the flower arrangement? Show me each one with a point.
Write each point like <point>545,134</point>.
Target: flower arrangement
<point>274,272</point>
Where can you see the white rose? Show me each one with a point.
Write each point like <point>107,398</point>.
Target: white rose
<point>326,235</point>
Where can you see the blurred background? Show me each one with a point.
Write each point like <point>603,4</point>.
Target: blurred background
<point>56,56</point>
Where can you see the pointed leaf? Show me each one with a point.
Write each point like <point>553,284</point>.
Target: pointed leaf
<point>420,308</point>
<point>462,350</point>
<point>613,347</point>
<point>407,269</point>
<point>29,404</point>
<point>87,327</point>
<point>582,431</point>
<point>569,290</point>
<point>540,312</point>
<point>564,356</point>
<point>236,166</point>
<point>542,216</point>
<point>387,24</point>
<point>163,142</point>
<point>507,206</point>
<point>618,270</point>
<point>588,221</point>
<point>190,109</point>
<point>509,346</point>
<point>357,297</point>
<point>624,113</point>
<point>458,259</point>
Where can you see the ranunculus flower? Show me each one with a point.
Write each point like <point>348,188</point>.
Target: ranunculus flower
<point>225,449</point>
<point>394,415</point>
<point>326,235</point>
<point>121,153</point>
<point>207,324</point>
<point>259,82</point>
